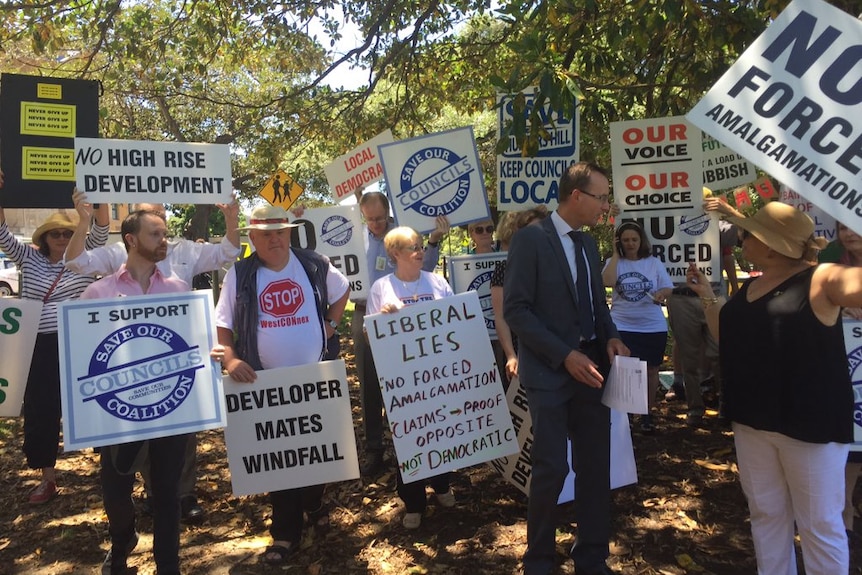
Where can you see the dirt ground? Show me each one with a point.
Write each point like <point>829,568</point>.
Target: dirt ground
<point>686,515</point>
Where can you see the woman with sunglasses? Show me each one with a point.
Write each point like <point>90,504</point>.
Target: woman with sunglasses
<point>482,237</point>
<point>408,285</point>
<point>45,279</point>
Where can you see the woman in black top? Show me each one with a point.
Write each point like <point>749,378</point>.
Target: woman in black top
<point>787,388</point>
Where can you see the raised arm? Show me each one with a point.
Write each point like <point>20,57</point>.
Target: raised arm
<point>609,274</point>
<point>231,221</point>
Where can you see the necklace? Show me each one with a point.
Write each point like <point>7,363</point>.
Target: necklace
<point>415,286</point>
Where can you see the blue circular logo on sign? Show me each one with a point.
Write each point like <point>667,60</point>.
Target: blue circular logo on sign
<point>854,360</point>
<point>336,230</point>
<point>484,300</point>
<point>141,372</point>
<point>434,182</point>
<point>694,226</point>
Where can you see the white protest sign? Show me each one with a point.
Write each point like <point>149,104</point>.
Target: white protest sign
<point>357,168</point>
<point>135,368</point>
<point>724,168</point>
<point>528,182</point>
<point>657,165</point>
<point>337,234</point>
<point>435,175</point>
<point>473,273</point>
<point>626,386</point>
<point>678,239</point>
<point>790,104</point>
<point>19,324</point>
<point>133,171</point>
<point>824,224</point>
<point>291,428</point>
<point>853,345</point>
<point>441,388</point>
<point>518,469</point>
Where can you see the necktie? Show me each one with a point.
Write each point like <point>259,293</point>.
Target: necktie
<point>585,304</point>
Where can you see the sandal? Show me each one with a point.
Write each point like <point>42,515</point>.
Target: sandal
<point>318,519</point>
<point>276,554</point>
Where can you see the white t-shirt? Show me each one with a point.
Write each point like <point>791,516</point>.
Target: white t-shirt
<point>390,289</point>
<point>289,331</point>
<point>632,306</point>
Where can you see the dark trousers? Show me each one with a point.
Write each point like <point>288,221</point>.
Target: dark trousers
<point>413,494</point>
<point>188,476</point>
<point>166,463</point>
<point>287,508</point>
<point>369,388</point>
<point>42,404</point>
<point>587,422</point>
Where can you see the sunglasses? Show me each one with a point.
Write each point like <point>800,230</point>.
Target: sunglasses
<point>57,234</point>
<point>484,229</point>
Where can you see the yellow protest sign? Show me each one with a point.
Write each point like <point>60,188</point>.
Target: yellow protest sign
<point>281,190</point>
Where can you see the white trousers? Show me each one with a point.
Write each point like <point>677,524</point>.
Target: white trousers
<point>784,480</point>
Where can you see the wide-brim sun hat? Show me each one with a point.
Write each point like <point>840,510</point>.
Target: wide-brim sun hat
<point>782,228</point>
<point>267,218</point>
<point>57,221</point>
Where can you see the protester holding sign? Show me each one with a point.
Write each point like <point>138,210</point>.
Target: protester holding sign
<point>482,238</point>
<point>554,301</point>
<point>407,285</point>
<point>781,333</point>
<point>640,285</point>
<point>284,304</point>
<point>45,279</point>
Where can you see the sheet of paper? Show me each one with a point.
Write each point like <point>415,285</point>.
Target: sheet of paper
<point>626,386</point>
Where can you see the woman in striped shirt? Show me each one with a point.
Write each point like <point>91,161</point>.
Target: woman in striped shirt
<point>45,279</point>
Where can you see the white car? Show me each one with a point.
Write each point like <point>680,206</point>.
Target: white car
<point>8,278</point>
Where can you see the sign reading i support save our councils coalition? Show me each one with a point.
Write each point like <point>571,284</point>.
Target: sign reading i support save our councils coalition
<point>135,368</point>
<point>435,175</point>
<point>133,171</point>
<point>790,104</point>
<point>19,323</point>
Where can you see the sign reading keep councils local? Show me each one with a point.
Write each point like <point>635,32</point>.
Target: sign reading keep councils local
<point>528,182</point>
<point>133,171</point>
<point>435,175</point>
<point>357,168</point>
<point>19,323</point>
<point>791,103</point>
<point>135,368</point>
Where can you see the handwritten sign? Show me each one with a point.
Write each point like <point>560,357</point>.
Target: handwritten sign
<point>441,388</point>
<point>357,168</point>
<point>135,368</point>
<point>19,323</point>
<point>473,273</point>
<point>291,428</point>
<point>131,171</point>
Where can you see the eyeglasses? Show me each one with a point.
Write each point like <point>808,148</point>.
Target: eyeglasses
<point>57,234</point>
<point>484,229</point>
<point>414,248</point>
<point>604,198</point>
<point>376,220</point>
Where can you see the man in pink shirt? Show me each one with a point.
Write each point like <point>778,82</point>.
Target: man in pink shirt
<point>145,236</point>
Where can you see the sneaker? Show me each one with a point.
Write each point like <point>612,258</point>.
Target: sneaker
<point>412,520</point>
<point>110,566</point>
<point>44,492</point>
<point>446,499</point>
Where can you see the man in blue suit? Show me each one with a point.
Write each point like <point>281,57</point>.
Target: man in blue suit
<point>556,305</point>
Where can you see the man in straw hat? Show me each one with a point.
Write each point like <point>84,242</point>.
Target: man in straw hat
<point>787,388</point>
<point>282,334</point>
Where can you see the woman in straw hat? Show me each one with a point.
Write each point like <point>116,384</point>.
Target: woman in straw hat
<point>46,280</point>
<point>787,388</point>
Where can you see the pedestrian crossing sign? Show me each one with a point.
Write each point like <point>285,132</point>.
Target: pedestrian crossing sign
<point>281,190</point>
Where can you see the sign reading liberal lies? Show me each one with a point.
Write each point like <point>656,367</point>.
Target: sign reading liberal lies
<point>435,175</point>
<point>441,388</point>
<point>357,168</point>
<point>19,323</point>
<point>291,428</point>
<point>135,368</point>
<point>790,104</point>
<point>473,273</point>
<point>133,171</point>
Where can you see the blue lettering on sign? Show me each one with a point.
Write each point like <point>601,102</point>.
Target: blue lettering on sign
<point>694,226</point>
<point>434,182</point>
<point>560,133</point>
<point>854,359</point>
<point>336,230</point>
<point>521,192</point>
<point>143,388</point>
<point>484,299</point>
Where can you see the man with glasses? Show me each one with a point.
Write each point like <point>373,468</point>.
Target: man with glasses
<point>374,207</point>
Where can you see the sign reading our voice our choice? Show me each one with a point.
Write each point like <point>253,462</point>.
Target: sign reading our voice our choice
<point>19,324</point>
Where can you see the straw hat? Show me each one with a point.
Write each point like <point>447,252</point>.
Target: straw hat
<point>269,217</point>
<point>782,228</point>
<point>56,221</point>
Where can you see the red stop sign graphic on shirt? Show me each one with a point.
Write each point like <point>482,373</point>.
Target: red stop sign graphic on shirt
<point>282,298</point>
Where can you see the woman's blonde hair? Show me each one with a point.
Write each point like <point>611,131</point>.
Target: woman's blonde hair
<point>399,238</point>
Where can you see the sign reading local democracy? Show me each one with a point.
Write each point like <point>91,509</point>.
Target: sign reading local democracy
<point>19,323</point>
<point>528,182</point>
<point>136,368</point>
<point>357,168</point>
<point>657,165</point>
<point>337,234</point>
<point>791,102</point>
<point>473,273</point>
<point>441,389</point>
<point>853,345</point>
<point>40,118</point>
<point>133,171</point>
<point>824,224</point>
<point>724,168</point>
<point>435,175</point>
<point>291,428</point>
